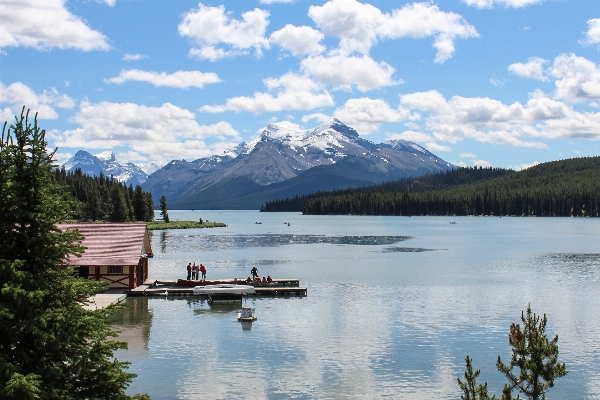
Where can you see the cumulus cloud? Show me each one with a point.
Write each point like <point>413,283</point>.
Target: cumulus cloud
<point>344,71</point>
<point>43,24</point>
<point>289,92</point>
<point>17,95</point>
<point>359,26</point>
<point>577,78</point>
<point>134,57</point>
<point>490,121</point>
<point>524,166</point>
<point>532,69</point>
<point>593,33</point>
<point>169,132</point>
<point>179,79</point>
<point>275,1</point>
<point>367,115</point>
<point>212,26</point>
<point>299,40</point>
<point>504,3</point>
<point>468,155</point>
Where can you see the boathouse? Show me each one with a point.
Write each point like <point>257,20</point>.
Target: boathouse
<point>116,253</point>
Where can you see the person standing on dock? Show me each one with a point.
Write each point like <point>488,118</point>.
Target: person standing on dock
<point>195,272</point>
<point>254,272</point>
<point>189,270</point>
<point>203,270</point>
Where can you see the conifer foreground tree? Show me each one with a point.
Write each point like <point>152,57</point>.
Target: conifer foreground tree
<point>164,213</point>
<point>533,354</point>
<point>50,347</point>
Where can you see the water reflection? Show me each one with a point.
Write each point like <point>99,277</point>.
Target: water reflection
<point>388,321</point>
<point>202,242</point>
<point>406,250</point>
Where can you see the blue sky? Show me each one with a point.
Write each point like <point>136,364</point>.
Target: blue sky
<point>506,83</point>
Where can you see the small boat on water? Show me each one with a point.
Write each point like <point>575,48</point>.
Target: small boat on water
<point>224,289</point>
<point>246,315</point>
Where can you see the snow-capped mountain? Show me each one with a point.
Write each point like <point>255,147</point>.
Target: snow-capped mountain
<point>282,153</point>
<point>90,164</point>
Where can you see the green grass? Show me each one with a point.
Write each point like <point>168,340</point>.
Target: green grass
<point>155,225</point>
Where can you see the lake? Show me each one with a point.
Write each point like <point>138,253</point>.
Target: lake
<point>394,305</point>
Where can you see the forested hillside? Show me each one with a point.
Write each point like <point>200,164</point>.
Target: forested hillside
<point>104,199</point>
<point>558,188</point>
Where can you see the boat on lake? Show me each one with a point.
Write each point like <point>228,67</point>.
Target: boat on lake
<point>246,315</point>
<point>224,289</point>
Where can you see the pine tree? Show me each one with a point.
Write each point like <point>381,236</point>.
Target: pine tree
<point>50,346</point>
<point>470,388</point>
<point>534,355</point>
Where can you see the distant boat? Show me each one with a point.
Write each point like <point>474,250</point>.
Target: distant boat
<point>453,222</point>
<point>224,289</point>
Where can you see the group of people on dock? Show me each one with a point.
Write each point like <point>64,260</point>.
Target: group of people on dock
<point>194,271</point>
<point>256,279</point>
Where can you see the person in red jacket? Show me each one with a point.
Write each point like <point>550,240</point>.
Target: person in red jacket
<point>203,270</point>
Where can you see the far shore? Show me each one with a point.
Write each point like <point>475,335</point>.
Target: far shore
<point>156,225</point>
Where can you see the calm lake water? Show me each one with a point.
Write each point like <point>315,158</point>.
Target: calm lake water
<point>394,305</point>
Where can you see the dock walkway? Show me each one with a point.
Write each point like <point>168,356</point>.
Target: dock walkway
<point>169,288</point>
<point>103,300</point>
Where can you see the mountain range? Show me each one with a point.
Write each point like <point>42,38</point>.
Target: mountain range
<point>285,161</point>
<point>92,165</point>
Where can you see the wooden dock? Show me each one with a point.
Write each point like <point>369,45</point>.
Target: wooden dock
<point>151,289</point>
<point>276,282</point>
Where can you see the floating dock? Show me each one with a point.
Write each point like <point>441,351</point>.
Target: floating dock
<point>169,288</point>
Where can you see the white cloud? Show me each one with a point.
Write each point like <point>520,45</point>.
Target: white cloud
<point>468,155</point>
<point>212,26</point>
<point>421,20</point>
<point>523,166</point>
<point>299,40</point>
<point>167,132</point>
<point>359,25</point>
<point>18,95</point>
<point>289,92</point>
<point>482,163</point>
<point>134,57</point>
<point>532,69</point>
<point>344,71</point>
<point>505,3</point>
<point>43,24</point>
<point>275,1</point>
<point>316,116</point>
<point>110,3</point>
<point>367,115</point>
<point>490,121</point>
<point>432,146</point>
<point>179,79</point>
<point>578,79</point>
<point>593,33</point>
<point>496,82</point>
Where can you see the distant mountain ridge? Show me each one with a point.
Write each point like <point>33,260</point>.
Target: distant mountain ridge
<point>286,161</point>
<point>92,165</point>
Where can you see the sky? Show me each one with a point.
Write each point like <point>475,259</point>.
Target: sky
<point>502,83</point>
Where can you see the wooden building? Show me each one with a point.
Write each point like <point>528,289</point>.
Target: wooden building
<point>116,253</point>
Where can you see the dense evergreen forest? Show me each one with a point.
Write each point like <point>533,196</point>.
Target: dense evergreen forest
<point>102,198</point>
<point>558,188</point>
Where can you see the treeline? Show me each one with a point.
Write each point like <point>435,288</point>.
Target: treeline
<point>102,198</point>
<point>559,188</point>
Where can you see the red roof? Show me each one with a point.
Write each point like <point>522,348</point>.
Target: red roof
<point>112,243</point>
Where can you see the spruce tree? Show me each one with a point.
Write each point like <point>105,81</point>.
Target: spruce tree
<point>50,346</point>
<point>164,213</point>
